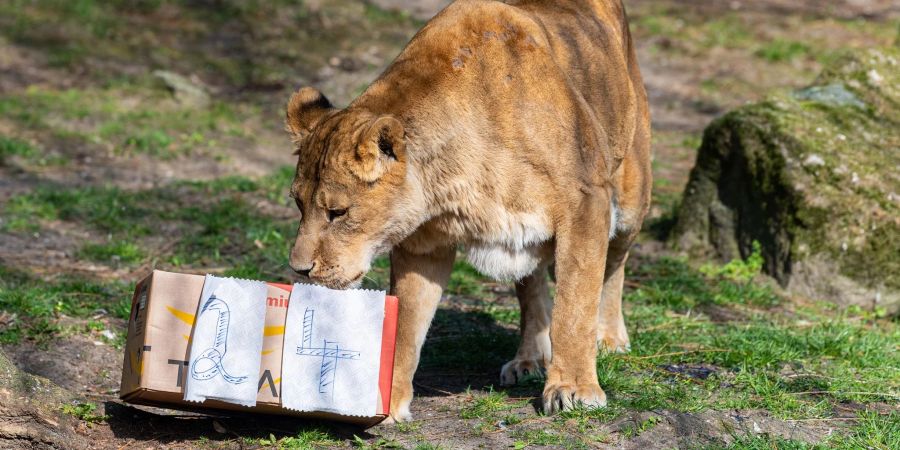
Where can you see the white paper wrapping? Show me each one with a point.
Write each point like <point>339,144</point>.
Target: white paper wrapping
<point>226,343</point>
<point>332,350</point>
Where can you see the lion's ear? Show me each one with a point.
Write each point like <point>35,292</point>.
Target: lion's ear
<point>383,144</point>
<point>305,109</point>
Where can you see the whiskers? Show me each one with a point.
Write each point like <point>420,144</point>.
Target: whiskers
<point>374,282</point>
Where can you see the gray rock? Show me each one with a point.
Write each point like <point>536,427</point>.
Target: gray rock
<point>833,94</point>
<point>184,90</point>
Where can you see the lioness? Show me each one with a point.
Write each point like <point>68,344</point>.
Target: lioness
<point>518,130</point>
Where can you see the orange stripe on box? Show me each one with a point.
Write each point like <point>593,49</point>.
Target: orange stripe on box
<point>286,287</point>
<point>388,341</point>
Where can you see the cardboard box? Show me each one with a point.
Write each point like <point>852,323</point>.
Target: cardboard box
<point>157,350</point>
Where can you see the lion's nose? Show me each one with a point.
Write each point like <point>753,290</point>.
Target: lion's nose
<point>305,272</point>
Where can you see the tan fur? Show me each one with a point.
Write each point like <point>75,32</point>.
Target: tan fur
<point>519,131</point>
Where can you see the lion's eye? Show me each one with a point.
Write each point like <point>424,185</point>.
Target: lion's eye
<point>335,213</point>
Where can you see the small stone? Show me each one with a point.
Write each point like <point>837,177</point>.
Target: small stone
<point>835,94</point>
<point>854,178</point>
<point>185,90</point>
<point>875,78</point>
<point>813,160</point>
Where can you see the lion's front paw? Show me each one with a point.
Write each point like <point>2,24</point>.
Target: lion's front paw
<point>566,396</point>
<point>401,397</point>
<point>398,414</point>
<point>517,369</point>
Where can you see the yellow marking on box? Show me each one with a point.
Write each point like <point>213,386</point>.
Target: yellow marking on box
<point>138,366</point>
<point>185,317</point>
<point>266,352</point>
<point>277,381</point>
<point>273,331</point>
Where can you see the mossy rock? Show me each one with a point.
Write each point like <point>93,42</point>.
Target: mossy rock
<point>30,412</point>
<point>814,177</point>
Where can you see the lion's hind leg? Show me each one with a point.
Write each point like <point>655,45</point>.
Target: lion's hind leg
<point>536,306</point>
<point>611,333</point>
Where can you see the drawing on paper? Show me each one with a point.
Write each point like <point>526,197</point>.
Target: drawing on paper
<point>209,363</point>
<point>330,352</point>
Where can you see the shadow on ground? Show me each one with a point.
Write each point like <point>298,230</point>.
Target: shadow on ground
<point>166,426</point>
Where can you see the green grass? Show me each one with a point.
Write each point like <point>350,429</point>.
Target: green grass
<point>107,209</point>
<point>428,446</point>
<point>211,223</point>
<point>14,147</point>
<point>380,16</point>
<point>136,117</point>
<point>710,338</point>
<point>309,439</point>
<point>117,251</point>
<point>780,50</point>
<point>30,154</point>
<point>466,281</point>
<point>85,412</point>
<point>487,406</point>
<point>766,442</point>
<point>727,31</point>
<point>871,431</point>
<point>24,213</point>
<point>35,305</point>
<point>125,36</point>
<point>639,428</point>
<point>695,33</point>
<point>832,359</point>
<point>408,427</point>
<point>379,443</point>
<point>657,24</point>
<point>490,409</point>
<point>379,275</point>
<point>544,437</point>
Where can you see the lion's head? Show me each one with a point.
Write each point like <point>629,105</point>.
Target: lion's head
<point>351,176</point>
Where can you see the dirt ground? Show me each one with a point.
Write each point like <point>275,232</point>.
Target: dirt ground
<point>696,66</point>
